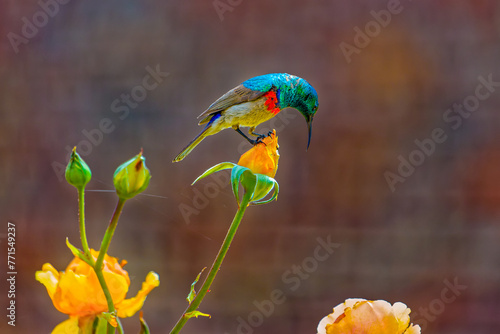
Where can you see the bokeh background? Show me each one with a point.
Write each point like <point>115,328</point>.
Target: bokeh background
<point>401,244</point>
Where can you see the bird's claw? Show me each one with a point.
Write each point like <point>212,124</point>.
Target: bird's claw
<point>256,141</point>
<point>260,138</point>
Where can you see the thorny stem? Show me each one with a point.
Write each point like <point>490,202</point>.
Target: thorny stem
<point>81,216</point>
<point>99,262</point>
<point>217,263</point>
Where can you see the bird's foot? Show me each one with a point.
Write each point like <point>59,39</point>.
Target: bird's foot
<point>260,137</point>
<point>256,141</point>
<point>259,140</point>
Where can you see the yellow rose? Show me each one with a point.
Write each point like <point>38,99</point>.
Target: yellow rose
<point>363,316</point>
<point>77,292</point>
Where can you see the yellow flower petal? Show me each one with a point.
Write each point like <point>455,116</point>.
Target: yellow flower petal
<point>338,311</point>
<point>69,326</point>
<point>77,291</point>
<point>375,316</point>
<point>263,157</point>
<point>129,307</point>
<point>49,277</point>
<point>402,313</point>
<point>117,285</point>
<point>362,316</point>
<point>79,295</point>
<point>413,329</point>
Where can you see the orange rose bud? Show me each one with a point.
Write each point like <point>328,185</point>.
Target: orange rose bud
<point>263,157</point>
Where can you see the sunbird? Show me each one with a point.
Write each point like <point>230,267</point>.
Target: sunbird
<point>253,102</point>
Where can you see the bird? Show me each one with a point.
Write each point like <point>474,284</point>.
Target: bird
<point>253,102</point>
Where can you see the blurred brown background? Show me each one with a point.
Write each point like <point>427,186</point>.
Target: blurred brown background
<point>389,89</point>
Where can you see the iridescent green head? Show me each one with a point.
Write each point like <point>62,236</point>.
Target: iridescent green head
<point>291,91</point>
<point>303,97</point>
<point>309,109</point>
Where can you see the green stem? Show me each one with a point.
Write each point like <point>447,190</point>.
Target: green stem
<point>109,233</point>
<point>216,265</point>
<point>100,259</point>
<point>120,327</point>
<point>81,211</point>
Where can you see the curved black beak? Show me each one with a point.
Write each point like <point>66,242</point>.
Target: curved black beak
<point>309,126</point>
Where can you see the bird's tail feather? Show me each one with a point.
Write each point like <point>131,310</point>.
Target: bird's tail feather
<point>193,143</point>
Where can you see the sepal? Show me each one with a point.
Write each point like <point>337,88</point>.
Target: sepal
<point>79,253</point>
<point>216,168</point>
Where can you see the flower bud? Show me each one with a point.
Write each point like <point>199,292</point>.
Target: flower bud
<point>263,157</point>
<point>78,173</point>
<point>132,177</point>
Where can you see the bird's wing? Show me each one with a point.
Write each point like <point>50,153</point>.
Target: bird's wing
<point>236,95</point>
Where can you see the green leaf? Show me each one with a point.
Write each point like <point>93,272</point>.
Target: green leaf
<point>263,186</point>
<point>235,180</point>
<point>256,186</point>
<point>248,181</point>
<point>273,197</point>
<point>144,325</point>
<point>216,168</point>
<point>192,293</point>
<point>196,314</point>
